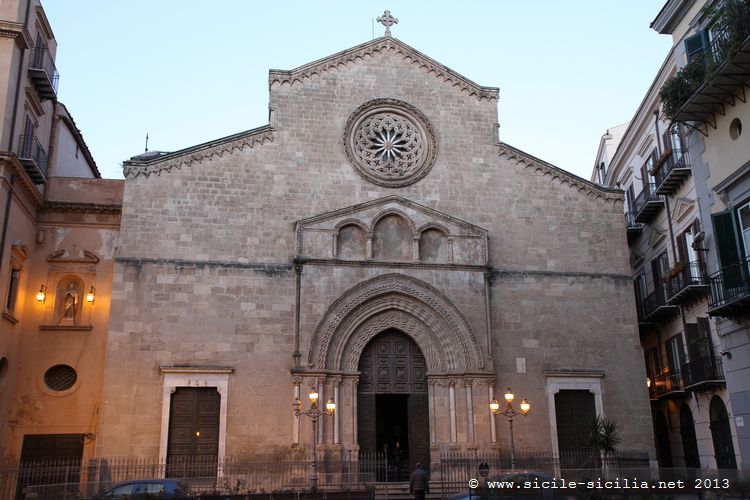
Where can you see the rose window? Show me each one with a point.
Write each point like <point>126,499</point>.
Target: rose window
<point>390,143</point>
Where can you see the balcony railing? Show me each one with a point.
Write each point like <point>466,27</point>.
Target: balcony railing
<point>33,157</point>
<point>654,306</point>
<point>43,72</point>
<point>713,77</point>
<point>632,227</point>
<point>647,204</point>
<point>703,372</point>
<point>666,384</point>
<point>730,290</point>
<point>674,169</point>
<point>687,283</point>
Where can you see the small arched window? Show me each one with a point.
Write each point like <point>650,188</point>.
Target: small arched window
<point>433,246</point>
<point>392,239</point>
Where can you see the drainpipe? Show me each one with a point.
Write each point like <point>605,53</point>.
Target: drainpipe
<point>18,85</point>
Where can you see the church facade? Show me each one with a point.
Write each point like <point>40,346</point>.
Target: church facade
<point>377,242</point>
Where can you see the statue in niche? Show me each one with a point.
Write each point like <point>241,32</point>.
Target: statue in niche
<point>71,299</point>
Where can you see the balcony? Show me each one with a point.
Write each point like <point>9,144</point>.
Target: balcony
<point>666,385</point>
<point>647,204</point>
<point>33,157</point>
<point>672,172</point>
<point>654,307</point>
<point>632,227</point>
<point>688,283</point>
<point>730,290</point>
<point>703,373</point>
<point>716,76</point>
<point>43,73</point>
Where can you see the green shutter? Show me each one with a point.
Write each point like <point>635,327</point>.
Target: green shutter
<point>726,238</point>
<point>695,44</point>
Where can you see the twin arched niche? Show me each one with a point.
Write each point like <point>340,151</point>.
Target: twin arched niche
<point>393,238</point>
<point>402,303</point>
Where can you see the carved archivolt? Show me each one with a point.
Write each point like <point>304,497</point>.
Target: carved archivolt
<point>395,301</point>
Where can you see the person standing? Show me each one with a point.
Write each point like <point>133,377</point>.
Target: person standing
<point>418,484</point>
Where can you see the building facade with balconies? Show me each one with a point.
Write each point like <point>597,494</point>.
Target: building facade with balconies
<point>662,165</point>
<point>59,222</point>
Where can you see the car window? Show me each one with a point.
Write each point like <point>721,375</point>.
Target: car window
<point>150,489</point>
<point>118,491</point>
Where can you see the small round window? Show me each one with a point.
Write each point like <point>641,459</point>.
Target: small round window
<point>60,377</point>
<point>735,129</point>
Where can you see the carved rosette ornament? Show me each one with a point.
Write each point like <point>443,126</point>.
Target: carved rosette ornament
<point>390,142</point>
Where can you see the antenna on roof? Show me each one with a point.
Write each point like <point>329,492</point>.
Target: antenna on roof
<point>146,149</point>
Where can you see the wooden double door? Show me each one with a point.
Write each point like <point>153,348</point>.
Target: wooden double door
<point>193,443</point>
<point>392,404</point>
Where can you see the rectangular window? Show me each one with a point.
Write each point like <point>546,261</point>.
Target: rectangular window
<point>10,303</point>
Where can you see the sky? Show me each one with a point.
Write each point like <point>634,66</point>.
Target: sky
<point>188,71</point>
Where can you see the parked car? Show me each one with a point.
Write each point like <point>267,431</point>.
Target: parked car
<point>148,488</point>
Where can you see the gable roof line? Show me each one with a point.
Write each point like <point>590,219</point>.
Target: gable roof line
<point>573,181</point>
<point>198,153</point>
<point>438,70</point>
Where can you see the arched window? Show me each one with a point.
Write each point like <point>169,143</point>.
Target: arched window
<point>392,239</point>
<point>721,434</point>
<point>433,246</point>
<point>351,243</point>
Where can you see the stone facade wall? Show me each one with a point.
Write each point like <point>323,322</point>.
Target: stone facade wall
<point>205,273</point>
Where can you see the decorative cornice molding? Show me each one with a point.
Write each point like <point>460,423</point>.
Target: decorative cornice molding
<point>303,74</point>
<point>198,154</point>
<point>96,208</point>
<point>18,31</point>
<point>591,190</point>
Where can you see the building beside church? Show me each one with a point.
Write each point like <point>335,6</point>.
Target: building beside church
<point>683,163</point>
<point>58,234</point>
<point>378,242</point>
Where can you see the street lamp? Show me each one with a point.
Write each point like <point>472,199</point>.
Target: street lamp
<point>510,412</point>
<point>314,413</point>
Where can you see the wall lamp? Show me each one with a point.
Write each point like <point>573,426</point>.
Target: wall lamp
<point>41,295</point>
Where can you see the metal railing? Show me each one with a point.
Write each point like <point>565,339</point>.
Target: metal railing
<point>678,158</point>
<point>29,148</point>
<point>630,222</point>
<point>648,193</point>
<point>664,383</point>
<point>691,274</point>
<point>653,301</point>
<point>41,59</point>
<point>76,478</point>
<point>730,284</point>
<point>703,369</point>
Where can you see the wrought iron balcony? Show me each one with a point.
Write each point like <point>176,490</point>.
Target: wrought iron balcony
<point>667,385</point>
<point>33,157</point>
<point>43,73</point>
<point>674,169</point>
<point>655,307</point>
<point>703,373</point>
<point>730,290</point>
<point>632,227</point>
<point>647,204</point>
<point>687,283</point>
<point>716,76</point>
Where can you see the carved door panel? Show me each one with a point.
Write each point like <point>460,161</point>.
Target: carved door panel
<point>419,431</point>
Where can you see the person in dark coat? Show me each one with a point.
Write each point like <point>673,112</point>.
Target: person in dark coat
<point>418,484</point>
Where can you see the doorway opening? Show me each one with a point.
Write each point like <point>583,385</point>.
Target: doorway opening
<point>392,432</point>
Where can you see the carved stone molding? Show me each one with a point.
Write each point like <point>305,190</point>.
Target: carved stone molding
<point>583,186</point>
<point>340,326</point>
<point>198,154</point>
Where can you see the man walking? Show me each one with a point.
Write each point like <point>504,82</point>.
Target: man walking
<point>418,485</point>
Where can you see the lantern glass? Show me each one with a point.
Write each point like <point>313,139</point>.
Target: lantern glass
<point>509,395</point>
<point>330,405</point>
<point>313,396</point>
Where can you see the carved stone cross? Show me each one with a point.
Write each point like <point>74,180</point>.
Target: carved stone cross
<point>387,20</point>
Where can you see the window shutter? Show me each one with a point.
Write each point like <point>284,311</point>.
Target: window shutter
<point>726,238</point>
<point>692,331</point>
<point>694,45</point>
<point>682,248</point>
